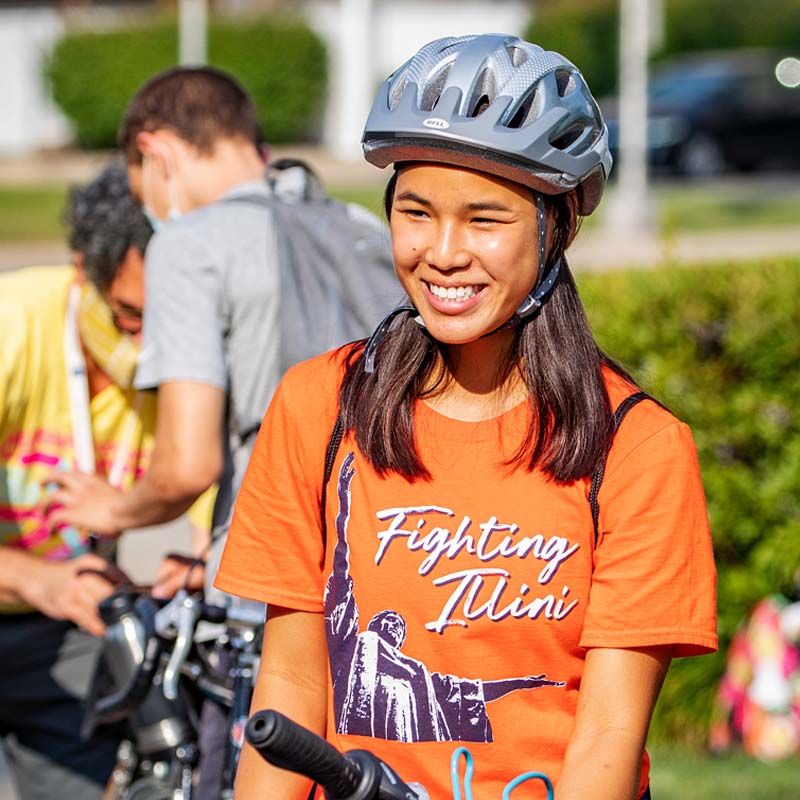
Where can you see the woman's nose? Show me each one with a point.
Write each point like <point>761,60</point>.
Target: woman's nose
<point>448,248</point>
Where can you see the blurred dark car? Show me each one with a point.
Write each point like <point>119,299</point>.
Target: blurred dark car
<point>710,112</point>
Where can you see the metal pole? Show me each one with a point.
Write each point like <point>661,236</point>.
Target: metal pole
<point>353,76</point>
<point>192,32</point>
<point>631,208</point>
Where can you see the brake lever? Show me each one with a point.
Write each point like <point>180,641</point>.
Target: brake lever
<point>181,614</point>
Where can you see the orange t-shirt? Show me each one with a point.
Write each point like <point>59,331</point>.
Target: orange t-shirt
<point>459,609</point>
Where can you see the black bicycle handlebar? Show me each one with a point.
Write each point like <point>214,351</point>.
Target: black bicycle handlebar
<point>289,746</point>
<point>356,775</point>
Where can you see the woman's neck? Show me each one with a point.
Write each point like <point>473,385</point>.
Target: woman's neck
<point>477,385</point>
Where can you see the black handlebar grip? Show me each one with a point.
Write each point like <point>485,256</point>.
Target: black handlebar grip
<point>287,745</point>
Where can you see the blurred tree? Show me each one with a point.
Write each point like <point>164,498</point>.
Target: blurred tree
<point>280,61</point>
<point>724,24</point>
<point>586,31</point>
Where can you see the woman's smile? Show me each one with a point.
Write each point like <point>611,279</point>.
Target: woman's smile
<point>453,298</point>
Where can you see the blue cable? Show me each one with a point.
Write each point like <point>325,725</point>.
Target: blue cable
<point>469,769</point>
<point>527,776</point>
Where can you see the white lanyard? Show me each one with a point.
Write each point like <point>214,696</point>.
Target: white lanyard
<point>78,388</point>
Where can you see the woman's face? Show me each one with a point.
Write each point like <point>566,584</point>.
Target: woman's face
<point>464,248</point>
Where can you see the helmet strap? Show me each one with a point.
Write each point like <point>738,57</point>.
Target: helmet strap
<point>371,347</point>
<point>533,302</point>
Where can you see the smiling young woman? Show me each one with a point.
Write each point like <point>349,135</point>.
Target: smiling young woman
<point>490,560</point>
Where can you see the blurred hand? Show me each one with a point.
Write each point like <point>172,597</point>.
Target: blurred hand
<point>82,501</point>
<point>69,589</point>
<point>172,575</point>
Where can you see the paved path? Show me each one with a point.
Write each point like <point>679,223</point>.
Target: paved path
<point>59,167</point>
<point>602,250</point>
<point>594,249</point>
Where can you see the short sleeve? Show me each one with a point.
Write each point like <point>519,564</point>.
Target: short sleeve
<point>654,581</point>
<point>183,331</point>
<point>274,551</point>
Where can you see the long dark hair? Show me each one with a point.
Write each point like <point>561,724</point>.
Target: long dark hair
<point>571,421</point>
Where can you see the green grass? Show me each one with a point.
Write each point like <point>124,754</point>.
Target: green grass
<point>697,208</point>
<point>683,775</point>
<point>34,213</point>
<point>368,196</point>
<point>31,213</point>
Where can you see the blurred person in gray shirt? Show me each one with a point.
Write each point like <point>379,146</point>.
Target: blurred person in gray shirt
<point>210,344</point>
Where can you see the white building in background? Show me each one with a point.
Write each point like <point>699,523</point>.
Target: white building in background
<point>31,120</point>
<point>366,40</point>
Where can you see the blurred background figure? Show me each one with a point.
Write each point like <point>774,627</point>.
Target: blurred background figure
<point>758,701</point>
<point>67,358</point>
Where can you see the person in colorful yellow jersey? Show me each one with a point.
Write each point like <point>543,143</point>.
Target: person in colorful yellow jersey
<point>68,354</point>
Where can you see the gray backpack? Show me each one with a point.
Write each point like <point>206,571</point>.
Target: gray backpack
<point>337,276</point>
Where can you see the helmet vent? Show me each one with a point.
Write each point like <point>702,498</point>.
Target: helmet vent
<point>433,88</point>
<point>569,136</point>
<point>482,94</point>
<point>520,115</point>
<point>517,55</point>
<point>480,106</point>
<point>565,82</point>
<point>528,109</point>
<point>397,92</point>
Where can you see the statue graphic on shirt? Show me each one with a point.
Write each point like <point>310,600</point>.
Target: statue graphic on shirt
<point>380,691</point>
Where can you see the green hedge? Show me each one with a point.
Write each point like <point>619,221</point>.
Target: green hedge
<point>279,61</point>
<point>723,24</point>
<point>719,345</point>
<point>587,31</point>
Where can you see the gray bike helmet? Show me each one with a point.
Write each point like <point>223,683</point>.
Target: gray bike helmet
<point>498,104</point>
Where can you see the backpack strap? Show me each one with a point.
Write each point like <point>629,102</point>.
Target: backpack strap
<point>293,180</point>
<point>330,457</point>
<point>599,471</point>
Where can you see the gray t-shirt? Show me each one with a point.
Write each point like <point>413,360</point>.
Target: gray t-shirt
<point>211,316</point>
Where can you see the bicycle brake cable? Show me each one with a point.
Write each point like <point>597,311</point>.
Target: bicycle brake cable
<point>527,776</point>
<point>469,769</point>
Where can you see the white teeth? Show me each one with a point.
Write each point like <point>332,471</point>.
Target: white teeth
<point>453,292</point>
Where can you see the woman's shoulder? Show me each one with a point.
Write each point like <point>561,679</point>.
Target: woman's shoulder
<point>647,422</point>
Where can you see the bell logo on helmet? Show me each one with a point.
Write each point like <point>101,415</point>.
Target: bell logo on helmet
<point>436,122</point>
